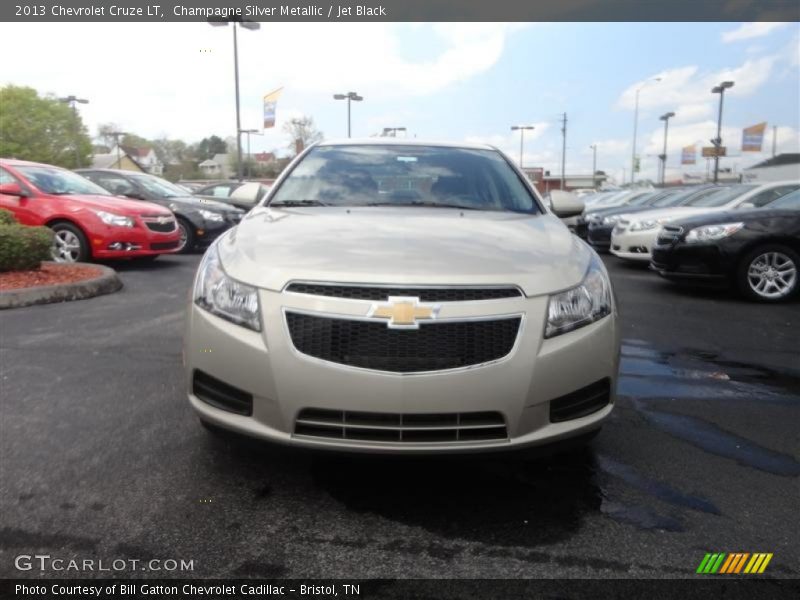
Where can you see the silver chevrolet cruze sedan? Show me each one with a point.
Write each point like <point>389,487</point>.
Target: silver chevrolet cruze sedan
<point>406,297</point>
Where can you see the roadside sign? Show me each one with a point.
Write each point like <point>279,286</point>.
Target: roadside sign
<point>712,151</point>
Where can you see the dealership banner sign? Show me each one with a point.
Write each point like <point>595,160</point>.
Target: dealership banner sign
<point>753,137</point>
<point>270,104</point>
<point>688,155</point>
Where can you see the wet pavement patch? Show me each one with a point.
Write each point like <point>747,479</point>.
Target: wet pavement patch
<point>497,501</point>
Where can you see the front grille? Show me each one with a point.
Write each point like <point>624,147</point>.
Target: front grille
<point>164,245</point>
<point>395,427</point>
<point>446,294</point>
<point>432,347</point>
<point>221,395</point>
<point>668,235</point>
<point>167,227</point>
<point>582,402</point>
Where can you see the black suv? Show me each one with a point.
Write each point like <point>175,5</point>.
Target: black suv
<point>200,221</point>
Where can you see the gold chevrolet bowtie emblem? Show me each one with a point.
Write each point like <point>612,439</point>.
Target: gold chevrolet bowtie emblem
<point>404,312</point>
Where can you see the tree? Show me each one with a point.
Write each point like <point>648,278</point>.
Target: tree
<point>41,129</point>
<point>209,146</point>
<point>301,130</point>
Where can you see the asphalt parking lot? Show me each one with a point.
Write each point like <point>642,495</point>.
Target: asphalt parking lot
<point>103,458</point>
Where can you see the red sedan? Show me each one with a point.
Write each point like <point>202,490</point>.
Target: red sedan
<point>89,223</point>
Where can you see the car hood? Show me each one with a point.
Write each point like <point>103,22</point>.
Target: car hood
<point>677,212</point>
<point>735,216</point>
<point>115,204</point>
<point>193,202</point>
<point>404,246</point>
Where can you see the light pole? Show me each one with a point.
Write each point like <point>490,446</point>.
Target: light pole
<point>521,129</point>
<point>252,26</point>
<point>72,101</point>
<point>636,125</point>
<point>393,131</point>
<point>665,117</point>
<point>349,96</point>
<point>594,165</point>
<point>717,141</point>
<point>249,132</point>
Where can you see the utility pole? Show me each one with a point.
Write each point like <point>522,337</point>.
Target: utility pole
<point>117,135</point>
<point>636,125</point>
<point>594,165</point>
<point>563,148</point>
<point>665,117</point>
<point>774,139</point>
<point>717,141</point>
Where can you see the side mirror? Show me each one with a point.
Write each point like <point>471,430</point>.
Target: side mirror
<point>12,189</point>
<point>565,204</point>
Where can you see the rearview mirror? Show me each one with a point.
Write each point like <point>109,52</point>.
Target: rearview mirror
<point>565,204</point>
<point>12,189</point>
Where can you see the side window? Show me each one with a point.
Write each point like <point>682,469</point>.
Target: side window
<point>6,177</point>
<point>221,191</point>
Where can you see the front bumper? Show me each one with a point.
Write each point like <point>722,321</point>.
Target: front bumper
<point>283,382</point>
<point>701,262</point>
<point>635,245</point>
<point>599,236</point>
<point>208,231</point>
<point>131,242</point>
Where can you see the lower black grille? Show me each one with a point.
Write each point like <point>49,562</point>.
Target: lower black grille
<point>161,227</point>
<point>445,294</point>
<point>582,402</point>
<point>221,395</point>
<point>394,427</point>
<point>432,347</point>
<point>164,245</point>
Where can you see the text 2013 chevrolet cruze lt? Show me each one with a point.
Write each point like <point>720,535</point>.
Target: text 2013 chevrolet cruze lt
<point>403,297</point>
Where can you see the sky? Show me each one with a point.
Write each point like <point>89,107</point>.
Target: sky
<point>442,81</point>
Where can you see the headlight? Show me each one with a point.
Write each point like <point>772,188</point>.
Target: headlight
<point>584,304</point>
<point>710,233</point>
<point>114,219</point>
<point>611,220</point>
<point>219,294</point>
<point>647,224</point>
<point>211,216</point>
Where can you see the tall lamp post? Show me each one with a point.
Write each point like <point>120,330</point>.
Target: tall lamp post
<point>252,26</point>
<point>665,117</point>
<point>72,101</point>
<point>636,125</point>
<point>393,131</point>
<point>117,135</point>
<point>594,165</point>
<point>248,133</point>
<point>349,96</point>
<point>717,141</point>
<point>522,129</point>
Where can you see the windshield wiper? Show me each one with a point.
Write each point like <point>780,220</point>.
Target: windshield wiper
<point>426,204</point>
<point>298,203</point>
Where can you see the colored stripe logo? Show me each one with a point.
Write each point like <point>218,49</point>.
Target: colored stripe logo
<point>734,563</point>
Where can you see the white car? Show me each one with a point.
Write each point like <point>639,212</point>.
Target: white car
<point>634,235</point>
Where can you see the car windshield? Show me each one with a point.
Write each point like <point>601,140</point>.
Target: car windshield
<point>723,196</point>
<point>60,182</point>
<point>671,198</point>
<point>643,199</point>
<point>158,187</point>
<point>413,175</point>
<point>789,201</point>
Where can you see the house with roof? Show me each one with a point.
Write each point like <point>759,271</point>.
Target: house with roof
<point>116,160</point>
<point>145,157</point>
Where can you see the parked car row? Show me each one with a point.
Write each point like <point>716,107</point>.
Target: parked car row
<point>109,214</point>
<point>745,236</point>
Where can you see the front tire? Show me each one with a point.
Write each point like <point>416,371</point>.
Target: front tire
<point>769,273</point>
<point>186,243</point>
<point>70,245</point>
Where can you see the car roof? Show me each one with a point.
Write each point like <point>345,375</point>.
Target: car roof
<point>384,141</point>
<point>14,162</point>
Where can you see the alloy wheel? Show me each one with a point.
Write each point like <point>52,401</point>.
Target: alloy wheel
<point>772,275</point>
<point>184,236</point>
<point>67,247</point>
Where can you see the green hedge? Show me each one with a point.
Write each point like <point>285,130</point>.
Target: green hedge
<point>24,248</point>
<point>7,217</point>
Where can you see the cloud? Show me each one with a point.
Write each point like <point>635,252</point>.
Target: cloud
<point>747,31</point>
